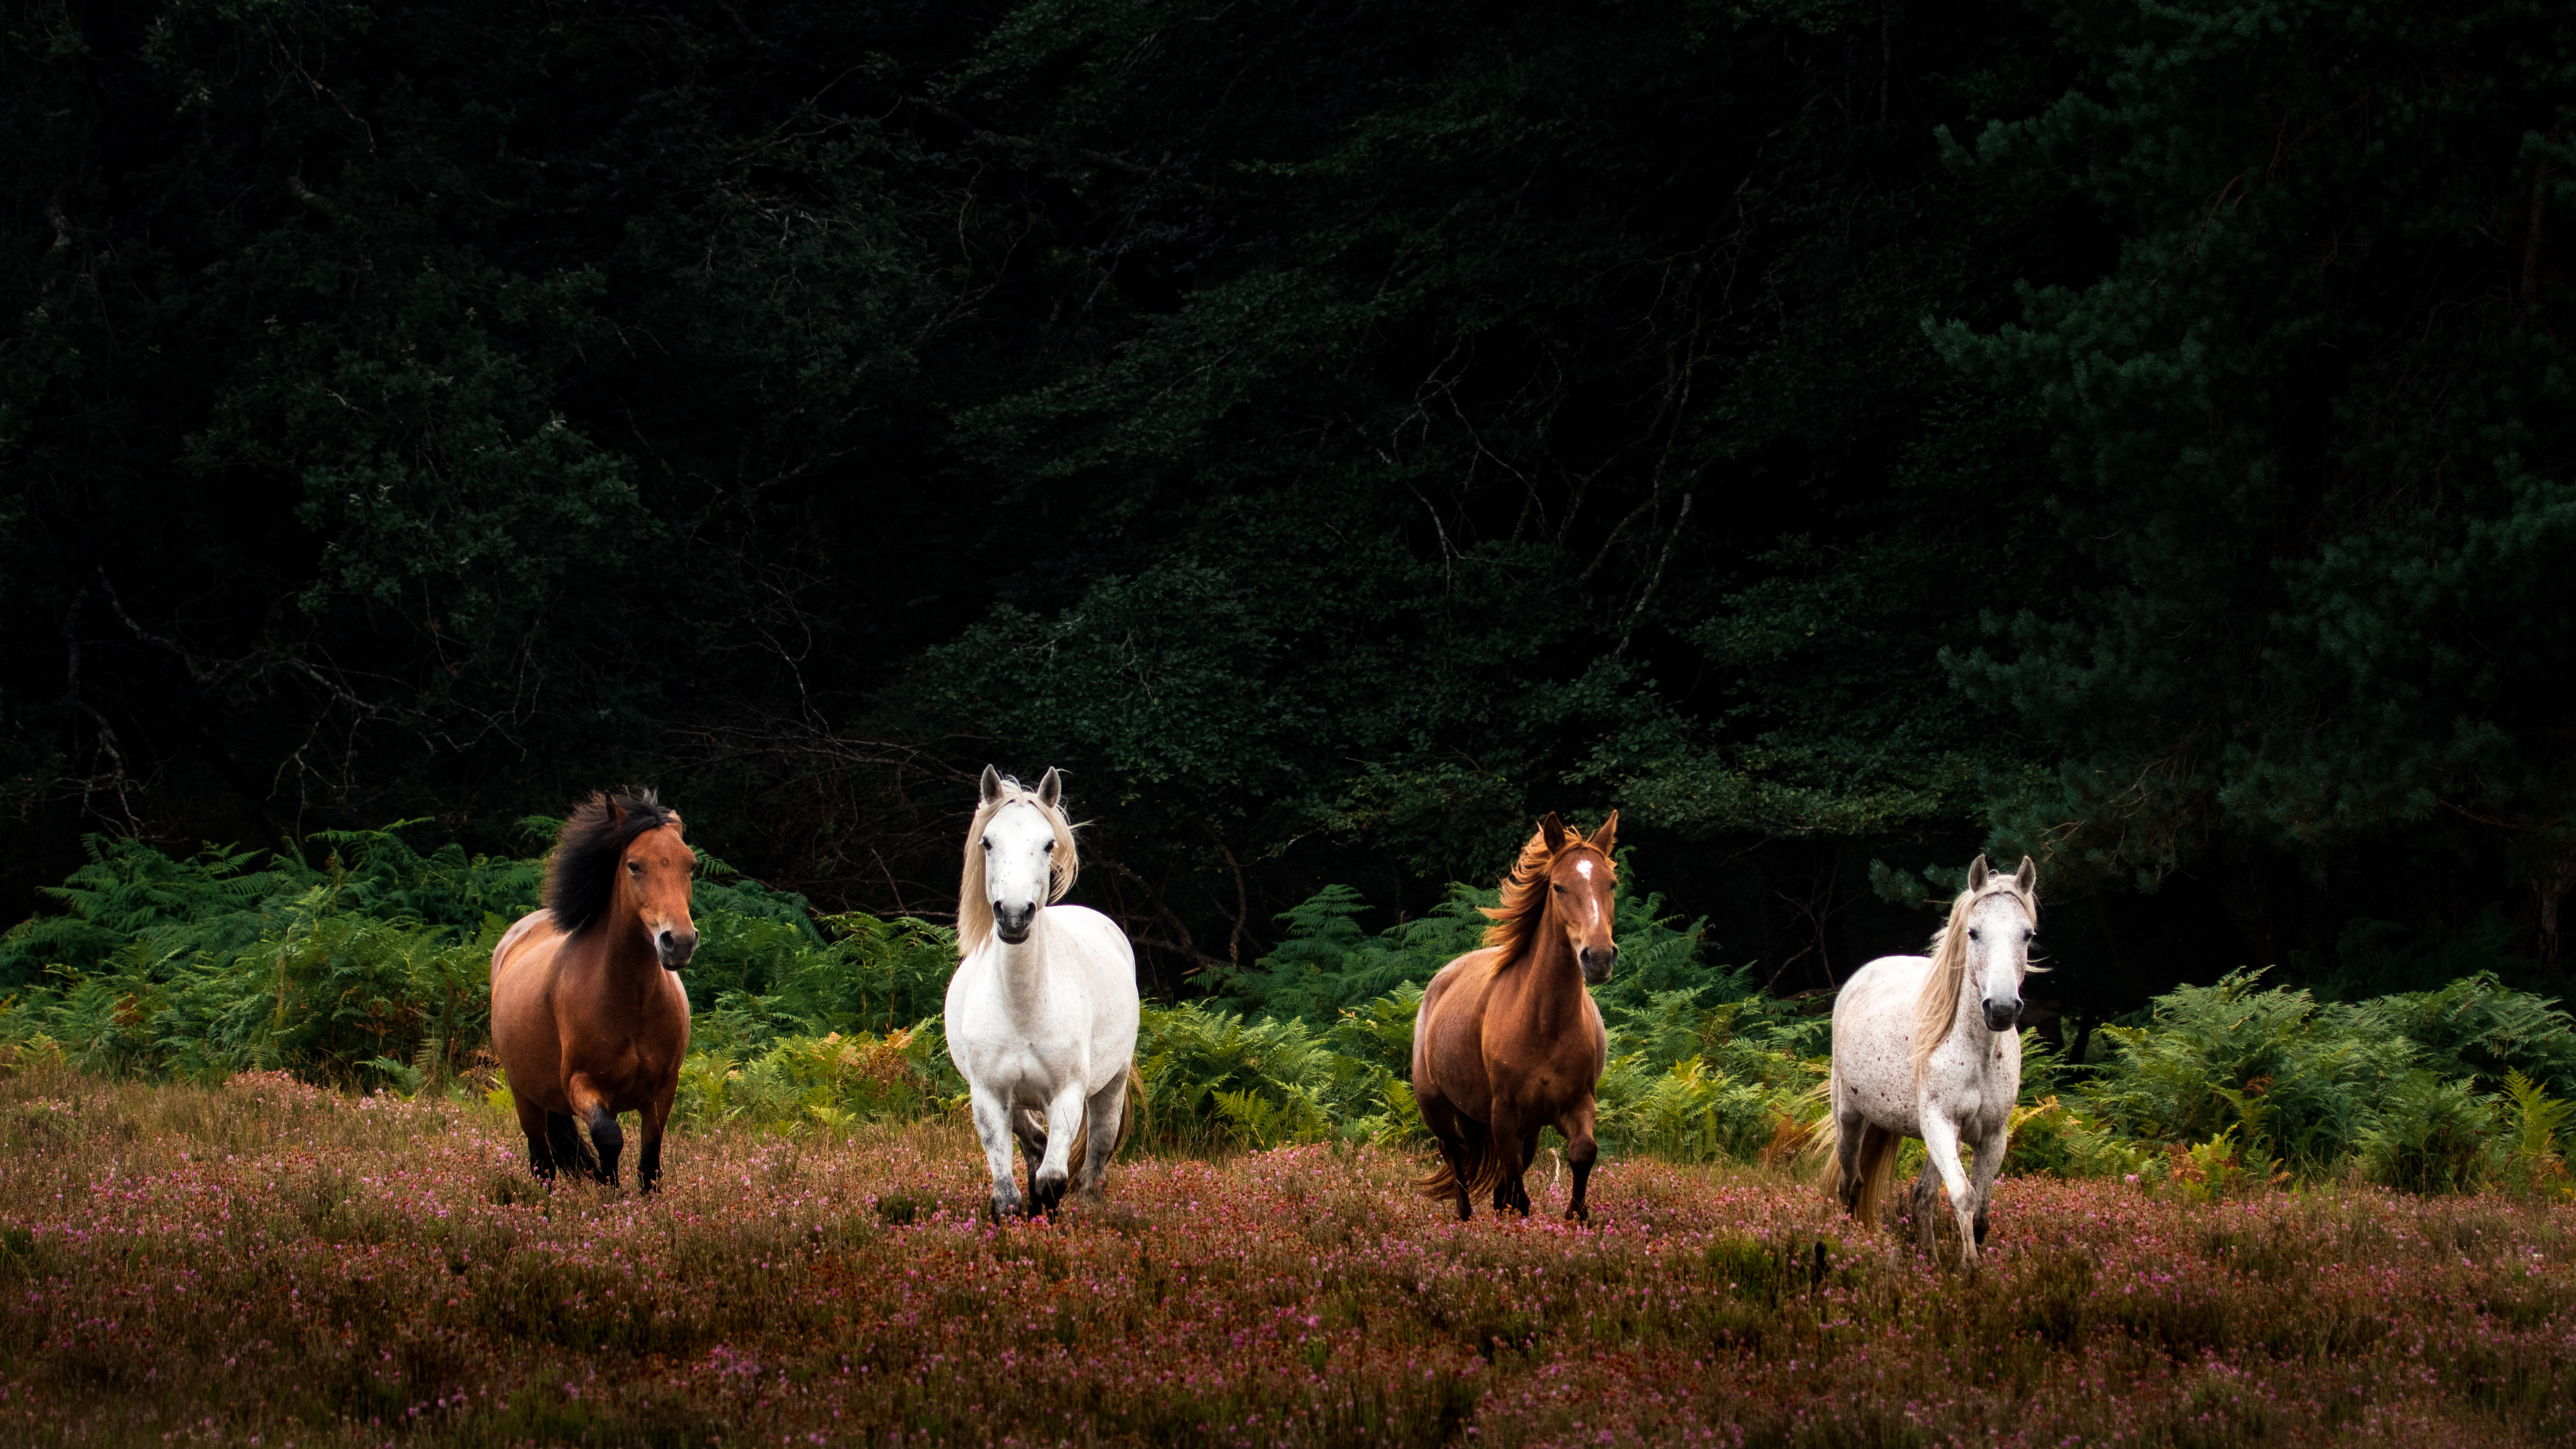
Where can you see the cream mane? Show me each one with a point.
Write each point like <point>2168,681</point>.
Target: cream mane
<point>1937,1009</point>
<point>974,902</point>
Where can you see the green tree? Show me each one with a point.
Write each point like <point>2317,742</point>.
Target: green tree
<point>2312,430</point>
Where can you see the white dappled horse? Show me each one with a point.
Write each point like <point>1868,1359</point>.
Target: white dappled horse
<point>1929,1047</point>
<point>1042,1011</point>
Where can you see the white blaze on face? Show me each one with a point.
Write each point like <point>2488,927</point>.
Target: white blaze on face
<point>1583,868</point>
<point>2001,945</point>
<point>1017,866</point>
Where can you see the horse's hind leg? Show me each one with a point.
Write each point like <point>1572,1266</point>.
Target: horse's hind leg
<point>1851,1139</point>
<point>1461,1155</point>
<point>590,1106</point>
<point>1029,1129</point>
<point>1920,1197</point>
<point>1107,1112</point>
<point>537,1123</point>
<point>1581,1151</point>
<point>1507,1142</point>
<point>1983,1169</point>
<point>1520,1184</point>
<point>566,1149</point>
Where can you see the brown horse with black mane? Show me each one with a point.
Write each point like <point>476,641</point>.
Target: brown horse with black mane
<point>588,1017</point>
<point>1508,1040</point>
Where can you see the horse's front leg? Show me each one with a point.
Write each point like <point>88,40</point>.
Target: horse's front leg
<point>1063,1123</point>
<point>1580,1152</point>
<point>657,1114</point>
<point>993,1129</point>
<point>1941,1144</point>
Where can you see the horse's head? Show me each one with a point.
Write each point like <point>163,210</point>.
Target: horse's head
<point>653,881</point>
<point>1027,851</point>
<point>619,858</point>
<point>1583,893</point>
<point>2000,923</point>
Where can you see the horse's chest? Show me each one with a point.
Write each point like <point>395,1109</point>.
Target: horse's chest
<point>1022,1068</point>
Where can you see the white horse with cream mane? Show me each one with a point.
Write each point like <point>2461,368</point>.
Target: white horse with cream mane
<point>1928,1047</point>
<point>1042,1011</point>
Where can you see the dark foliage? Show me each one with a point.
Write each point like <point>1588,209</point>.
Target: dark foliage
<point>1841,436</point>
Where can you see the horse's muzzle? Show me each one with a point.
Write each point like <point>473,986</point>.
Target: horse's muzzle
<point>1013,925</point>
<point>2002,1015</point>
<point>675,947</point>
<point>1597,963</point>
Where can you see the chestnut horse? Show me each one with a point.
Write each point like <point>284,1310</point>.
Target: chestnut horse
<point>1508,1040</point>
<point>588,1017</point>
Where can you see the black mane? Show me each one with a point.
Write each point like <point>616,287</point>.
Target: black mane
<point>581,875</point>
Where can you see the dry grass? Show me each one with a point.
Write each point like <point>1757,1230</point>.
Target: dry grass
<point>266,1264</point>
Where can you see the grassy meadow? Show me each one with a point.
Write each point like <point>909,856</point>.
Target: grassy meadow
<point>263,1262</point>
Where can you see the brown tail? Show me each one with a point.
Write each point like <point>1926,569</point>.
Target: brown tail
<point>1866,1187</point>
<point>1487,1171</point>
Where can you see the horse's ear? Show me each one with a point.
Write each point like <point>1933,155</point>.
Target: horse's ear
<point>991,785</point>
<point>1049,788</point>
<point>1977,873</point>
<point>672,819</point>
<point>1553,831</point>
<point>2028,875</point>
<point>616,812</point>
<point>1606,839</point>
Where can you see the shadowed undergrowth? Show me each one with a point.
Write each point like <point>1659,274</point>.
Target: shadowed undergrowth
<point>263,1259</point>
<point>371,969</point>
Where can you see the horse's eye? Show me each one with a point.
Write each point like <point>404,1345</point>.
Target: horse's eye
<point>1972,934</point>
<point>635,867</point>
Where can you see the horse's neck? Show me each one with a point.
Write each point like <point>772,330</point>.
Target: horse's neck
<point>1968,1028</point>
<point>1552,986</point>
<point>1028,987</point>
<point>626,956</point>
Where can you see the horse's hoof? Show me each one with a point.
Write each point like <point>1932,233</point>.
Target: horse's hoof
<point>1045,1194</point>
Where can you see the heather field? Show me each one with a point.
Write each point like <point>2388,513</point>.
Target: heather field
<point>264,1263</point>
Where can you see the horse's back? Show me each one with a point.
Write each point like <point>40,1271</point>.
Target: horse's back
<point>1889,979</point>
<point>1108,964</point>
<point>535,926</point>
<point>524,1034</point>
<point>1448,1030</point>
<point>1874,1035</point>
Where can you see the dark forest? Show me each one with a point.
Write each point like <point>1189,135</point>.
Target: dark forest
<point>1844,437</point>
